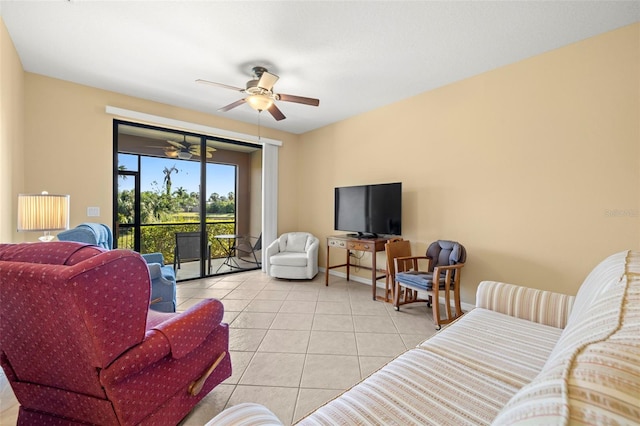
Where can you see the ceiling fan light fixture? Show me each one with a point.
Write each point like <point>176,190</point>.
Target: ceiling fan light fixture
<point>184,155</point>
<point>260,95</point>
<point>171,152</point>
<point>260,102</point>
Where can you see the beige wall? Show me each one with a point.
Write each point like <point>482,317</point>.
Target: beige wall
<point>69,139</point>
<point>532,166</point>
<point>11,135</point>
<point>526,165</point>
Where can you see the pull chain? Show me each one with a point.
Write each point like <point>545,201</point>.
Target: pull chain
<point>259,114</point>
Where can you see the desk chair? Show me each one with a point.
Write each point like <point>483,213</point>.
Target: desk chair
<point>445,261</point>
<point>394,248</point>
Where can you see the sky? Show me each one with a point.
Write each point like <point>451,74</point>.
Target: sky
<point>220,177</point>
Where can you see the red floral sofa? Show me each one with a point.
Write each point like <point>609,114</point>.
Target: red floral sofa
<point>79,344</point>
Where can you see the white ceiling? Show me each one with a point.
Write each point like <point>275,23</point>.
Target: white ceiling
<point>353,55</point>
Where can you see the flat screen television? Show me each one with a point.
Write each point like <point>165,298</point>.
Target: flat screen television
<point>369,210</point>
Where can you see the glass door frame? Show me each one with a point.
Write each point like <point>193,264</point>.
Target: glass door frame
<point>136,208</point>
<point>203,226</point>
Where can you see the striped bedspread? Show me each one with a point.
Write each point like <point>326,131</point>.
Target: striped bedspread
<point>522,356</point>
<point>463,376</point>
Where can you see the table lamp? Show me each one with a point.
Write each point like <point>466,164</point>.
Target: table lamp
<point>43,212</point>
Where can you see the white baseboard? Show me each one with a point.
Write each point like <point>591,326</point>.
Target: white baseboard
<point>465,306</point>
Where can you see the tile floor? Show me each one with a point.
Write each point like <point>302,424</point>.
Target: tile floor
<point>296,344</point>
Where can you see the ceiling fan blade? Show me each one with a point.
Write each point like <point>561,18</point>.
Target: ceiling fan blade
<point>267,80</point>
<point>177,144</point>
<point>276,113</point>
<point>233,105</point>
<point>224,86</point>
<point>298,99</point>
<point>195,150</point>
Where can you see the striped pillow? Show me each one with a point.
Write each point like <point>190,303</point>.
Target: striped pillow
<point>592,375</point>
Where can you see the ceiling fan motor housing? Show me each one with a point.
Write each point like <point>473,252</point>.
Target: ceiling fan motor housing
<point>254,89</point>
<point>257,71</point>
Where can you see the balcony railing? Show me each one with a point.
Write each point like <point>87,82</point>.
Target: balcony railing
<point>160,237</point>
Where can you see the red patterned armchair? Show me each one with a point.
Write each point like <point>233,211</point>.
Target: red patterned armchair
<point>79,344</point>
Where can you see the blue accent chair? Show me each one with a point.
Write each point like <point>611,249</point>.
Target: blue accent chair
<point>163,277</point>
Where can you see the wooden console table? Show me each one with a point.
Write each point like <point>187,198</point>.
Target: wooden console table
<point>347,243</point>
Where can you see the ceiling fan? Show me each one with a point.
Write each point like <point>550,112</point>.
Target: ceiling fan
<point>260,94</point>
<point>184,150</point>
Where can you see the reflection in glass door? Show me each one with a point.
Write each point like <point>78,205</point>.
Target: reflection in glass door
<point>127,221</point>
<point>187,196</point>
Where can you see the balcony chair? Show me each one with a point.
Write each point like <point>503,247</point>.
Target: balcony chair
<point>79,344</point>
<point>445,260</point>
<point>244,246</point>
<point>163,277</point>
<point>187,249</point>
<point>293,255</point>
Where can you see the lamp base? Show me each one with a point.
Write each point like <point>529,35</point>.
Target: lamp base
<point>46,237</point>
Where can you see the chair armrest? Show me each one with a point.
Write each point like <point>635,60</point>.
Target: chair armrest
<point>187,331</point>
<point>448,267</point>
<point>176,336</point>
<point>152,349</point>
<point>156,273</point>
<point>414,257</point>
<point>544,307</point>
<point>154,258</point>
<point>446,270</point>
<point>312,252</point>
<point>272,249</point>
<point>409,263</point>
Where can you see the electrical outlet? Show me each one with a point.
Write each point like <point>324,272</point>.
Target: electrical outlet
<point>93,211</point>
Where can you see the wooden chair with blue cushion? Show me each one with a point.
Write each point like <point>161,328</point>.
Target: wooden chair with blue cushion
<point>445,259</point>
<point>395,247</point>
<point>163,277</point>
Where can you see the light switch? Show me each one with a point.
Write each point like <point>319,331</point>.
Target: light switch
<point>93,211</point>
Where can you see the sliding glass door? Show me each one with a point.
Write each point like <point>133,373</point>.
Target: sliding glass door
<point>190,197</point>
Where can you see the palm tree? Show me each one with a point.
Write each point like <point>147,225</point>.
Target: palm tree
<point>167,178</point>
<point>125,206</point>
<point>181,193</point>
<point>182,196</point>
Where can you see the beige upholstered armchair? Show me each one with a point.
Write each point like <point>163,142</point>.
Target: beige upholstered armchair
<point>294,256</point>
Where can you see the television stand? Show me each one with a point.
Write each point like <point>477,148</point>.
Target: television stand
<point>357,242</point>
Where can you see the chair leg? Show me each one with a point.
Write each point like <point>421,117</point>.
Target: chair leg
<point>447,301</point>
<point>456,297</point>
<point>396,297</point>
<point>389,295</point>
<point>436,310</point>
